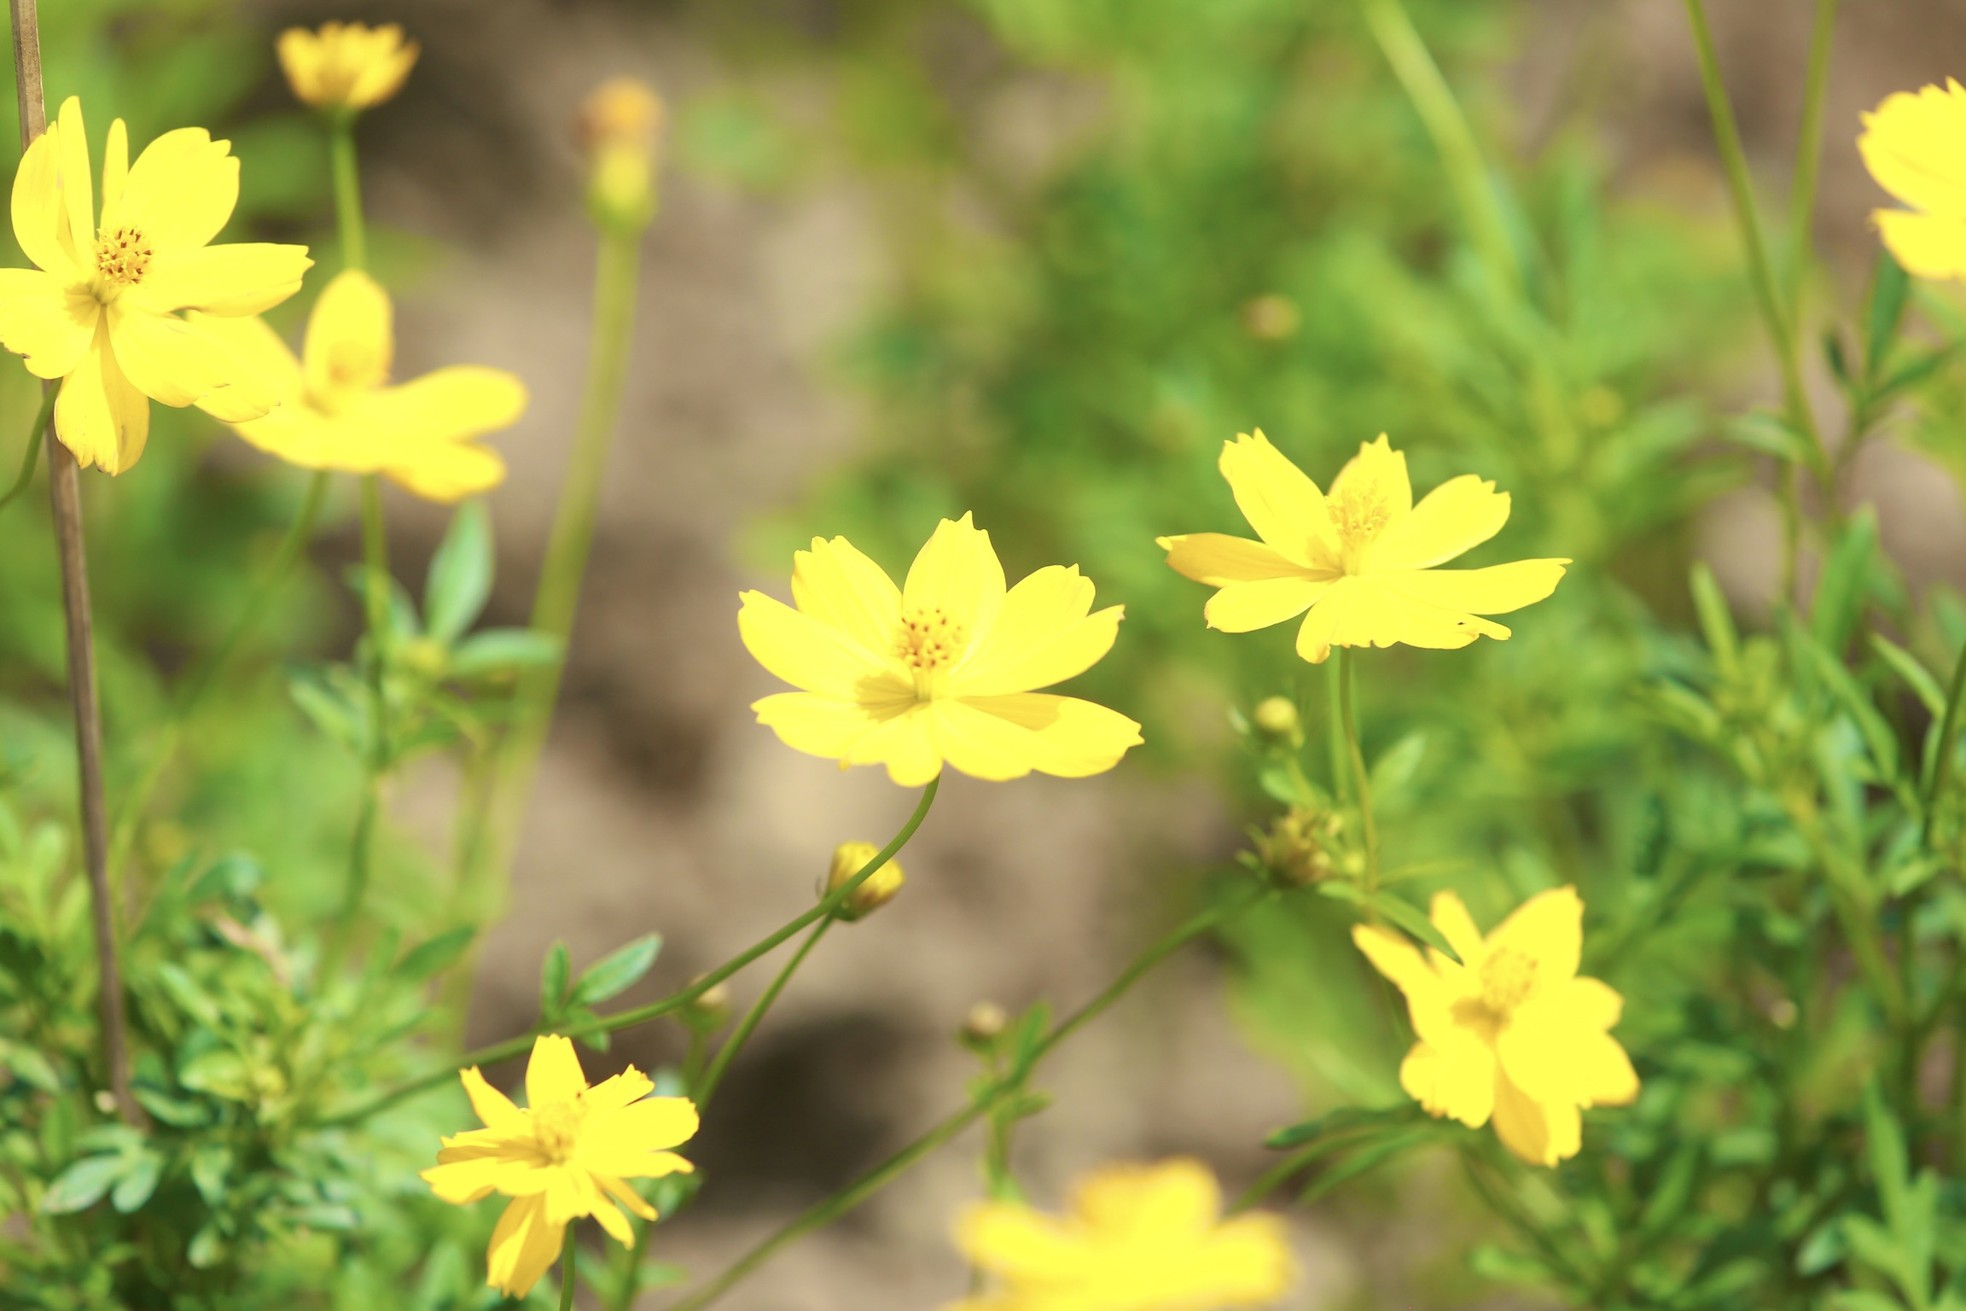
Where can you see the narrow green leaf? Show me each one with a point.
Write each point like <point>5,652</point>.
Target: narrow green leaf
<point>617,972</point>
<point>1919,679</point>
<point>1343,1120</point>
<point>554,972</point>
<point>138,1183</point>
<point>460,578</point>
<point>1716,620</point>
<point>1400,912</point>
<point>1845,583</point>
<point>1889,288</point>
<point>82,1184</point>
<point>503,651</point>
<point>429,958</point>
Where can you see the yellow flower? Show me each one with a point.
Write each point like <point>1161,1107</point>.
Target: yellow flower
<point>1139,1238</point>
<point>100,309</point>
<point>338,410</point>
<point>563,1157</point>
<point>939,669</point>
<point>1915,146</point>
<point>1360,559</point>
<point>620,125</point>
<point>1511,1032</point>
<point>345,65</point>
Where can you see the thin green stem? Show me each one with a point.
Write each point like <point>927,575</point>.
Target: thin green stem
<point>1808,155</point>
<point>347,192</point>
<point>33,456</point>
<point>1948,747</point>
<point>707,1086</point>
<point>1361,777</point>
<point>568,1251</point>
<point>499,1051</point>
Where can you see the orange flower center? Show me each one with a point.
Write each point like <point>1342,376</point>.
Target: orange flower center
<point>929,640</point>
<point>122,257</point>
<point>1506,978</point>
<point>556,1128</point>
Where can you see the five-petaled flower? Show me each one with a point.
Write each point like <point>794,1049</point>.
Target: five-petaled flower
<point>345,65</point>
<point>1138,1238</point>
<point>571,1150</point>
<point>1511,1032</point>
<point>939,669</point>
<point>1361,559</point>
<point>1915,146</point>
<point>101,308</point>
<point>338,410</point>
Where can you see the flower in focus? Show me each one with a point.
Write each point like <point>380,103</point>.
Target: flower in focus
<point>620,126</point>
<point>345,65</point>
<point>1138,1238</point>
<point>1361,559</point>
<point>339,410</point>
<point>849,858</point>
<point>1511,1033</point>
<point>1915,147</point>
<point>101,308</point>
<point>565,1156</point>
<point>939,669</point>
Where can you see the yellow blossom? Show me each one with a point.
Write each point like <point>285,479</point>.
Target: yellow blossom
<point>339,410</point>
<point>1915,146</point>
<point>939,669</point>
<point>101,308</point>
<point>1138,1238</point>
<point>345,65</point>
<point>620,127</point>
<point>565,1156</point>
<point>1361,559</point>
<point>1511,1033</point>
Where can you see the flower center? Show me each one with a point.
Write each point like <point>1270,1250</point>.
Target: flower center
<point>122,257</point>
<point>929,640</point>
<point>1506,978</point>
<point>1359,515</point>
<point>556,1128</point>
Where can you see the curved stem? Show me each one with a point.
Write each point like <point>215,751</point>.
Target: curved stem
<point>1361,777</point>
<point>568,1251</point>
<point>32,458</point>
<point>707,1087</point>
<point>499,1051</point>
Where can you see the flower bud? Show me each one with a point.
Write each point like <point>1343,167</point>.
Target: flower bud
<point>983,1025</point>
<point>1297,850</point>
<point>345,66</point>
<point>707,1011</point>
<point>1276,721</point>
<point>1271,317</point>
<point>849,858</point>
<point>620,127</point>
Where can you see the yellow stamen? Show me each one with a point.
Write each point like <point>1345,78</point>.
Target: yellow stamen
<point>122,257</point>
<point>1507,977</point>
<point>929,640</point>
<point>556,1128</point>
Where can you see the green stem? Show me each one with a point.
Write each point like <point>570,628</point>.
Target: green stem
<point>499,1051</point>
<point>1947,748</point>
<point>831,1208</point>
<point>707,1087</point>
<point>347,192</point>
<point>568,1251</point>
<point>1808,154</point>
<point>1361,778</point>
<point>33,456</point>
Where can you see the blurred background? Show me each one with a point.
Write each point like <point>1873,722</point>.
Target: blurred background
<point>1034,258</point>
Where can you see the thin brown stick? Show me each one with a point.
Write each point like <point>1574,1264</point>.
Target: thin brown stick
<point>65,493</point>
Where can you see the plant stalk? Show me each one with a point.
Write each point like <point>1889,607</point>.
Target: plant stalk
<point>1361,777</point>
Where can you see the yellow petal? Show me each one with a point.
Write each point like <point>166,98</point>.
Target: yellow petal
<point>1604,1072</point>
<point>522,1248</point>
<point>619,1090</point>
<point>1067,737</point>
<point>1245,607</point>
<point>299,51</point>
<point>384,72</point>
<point>652,1165</point>
<point>1590,1003</point>
<point>46,321</point>
<point>822,725</point>
<point>613,1222</point>
<point>1178,1198</point>
<point>465,400</point>
<point>904,743</point>
<point>77,187</point>
<point>178,362</point>
<point>627,1196</point>
<point>1011,1239</point>
<point>181,190</point>
<point>958,573</point>
<point>1495,590</point>
<point>839,586</point>
<point>649,1125</point>
<point>1450,915</point>
<point>494,1109</point>
<point>1911,144</point>
<point>1043,635</point>
<point>40,222</point>
<point>99,416</point>
<point>115,174</point>
<point>1549,930</point>
<point>1377,474</point>
<point>1454,1080</point>
<point>812,655</point>
<point>1541,1133</point>
<point>304,438</point>
<point>1281,503</point>
<point>261,353</point>
<point>1246,1262</point>
<point>553,1072</point>
<point>1366,612</point>
<point>1928,245</point>
<point>447,472</point>
<point>1452,519</point>
<point>981,744</point>
<point>1217,559</point>
<point>351,339</point>
<point>465,1181</point>
<point>242,278</point>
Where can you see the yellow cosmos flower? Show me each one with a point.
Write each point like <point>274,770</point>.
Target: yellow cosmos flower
<point>345,65</point>
<point>939,669</point>
<point>565,1156</point>
<point>100,309</point>
<point>1361,559</point>
<point>1511,1033</point>
<point>1138,1238</point>
<point>338,410</point>
<point>1915,146</point>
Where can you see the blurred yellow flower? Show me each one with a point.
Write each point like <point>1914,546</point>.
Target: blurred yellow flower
<point>563,1157</point>
<point>1915,146</point>
<point>620,127</point>
<point>939,669</point>
<point>1360,559</point>
<point>345,65</point>
<point>1138,1238</point>
<point>338,410</point>
<point>1511,1032</point>
<point>100,309</point>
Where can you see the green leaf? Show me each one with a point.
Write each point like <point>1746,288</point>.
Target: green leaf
<point>1362,1163</point>
<point>1919,679</point>
<point>1888,289</point>
<point>617,972</point>
<point>1400,912</point>
<point>460,578</point>
<point>1392,773</point>
<point>1345,1119</point>
<point>554,972</point>
<point>211,1168</point>
<point>429,958</point>
<point>138,1183</point>
<point>503,651</point>
<point>1716,620</point>
<point>1845,583</point>
<point>82,1184</point>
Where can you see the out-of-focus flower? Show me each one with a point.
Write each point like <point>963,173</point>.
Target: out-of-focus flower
<point>939,669</point>
<point>101,308</point>
<point>339,411</point>
<point>565,1156</point>
<point>880,887</point>
<point>1511,1033</point>
<point>1138,1238</point>
<point>345,65</point>
<point>1300,847</point>
<point>1915,146</point>
<point>620,129</point>
<point>1361,559</point>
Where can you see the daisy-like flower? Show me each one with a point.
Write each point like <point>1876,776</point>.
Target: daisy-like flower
<point>100,309</point>
<point>1362,559</point>
<point>939,669</point>
<point>1915,146</point>
<point>345,65</point>
<point>1511,1033</point>
<point>339,411</point>
<point>563,1157</point>
<point>1138,1238</point>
